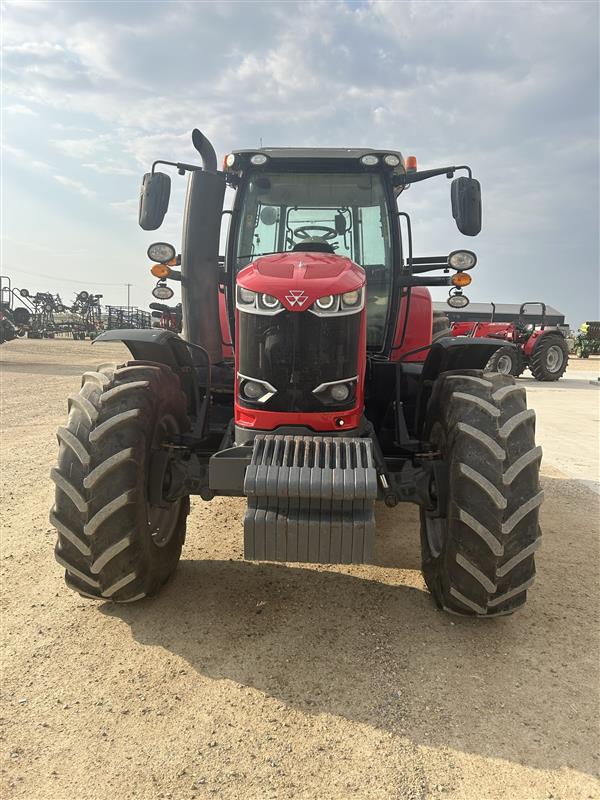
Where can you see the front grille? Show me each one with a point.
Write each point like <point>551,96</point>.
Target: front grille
<point>295,353</point>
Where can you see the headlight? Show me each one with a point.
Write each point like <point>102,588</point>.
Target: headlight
<point>268,301</point>
<point>457,301</point>
<point>161,252</point>
<point>162,292</point>
<point>462,259</point>
<point>325,303</point>
<point>391,160</point>
<point>369,161</point>
<point>229,160</point>
<point>252,390</point>
<point>245,296</point>
<point>336,392</point>
<point>247,300</point>
<point>340,392</point>
<point>333,304</point>
<point>351,299</point>
<point>258,159</point>
<point>255,391</point>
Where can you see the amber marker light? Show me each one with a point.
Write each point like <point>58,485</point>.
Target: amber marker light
<point>410,164</point>
<point>160,271</point>
<point>461,279</point>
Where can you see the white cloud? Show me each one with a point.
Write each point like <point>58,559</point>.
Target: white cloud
<point>19,108</point>
<point>80,148</point>
<point>39,49</point>
<point>24,159</point>
<point>110,168</point>
<point>78,186</point>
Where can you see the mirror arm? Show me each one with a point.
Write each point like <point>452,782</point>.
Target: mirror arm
<point>423,175</point>
<point>420,268</point>
<point>464,166</point>
<point>181,168</point>
<point>434,280</point>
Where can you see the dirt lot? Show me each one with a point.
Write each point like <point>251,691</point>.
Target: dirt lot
<point>261,681</point>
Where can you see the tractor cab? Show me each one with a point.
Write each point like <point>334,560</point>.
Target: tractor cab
<point>339,202</point>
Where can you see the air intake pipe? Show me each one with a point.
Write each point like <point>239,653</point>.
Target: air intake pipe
<point>200,252</point>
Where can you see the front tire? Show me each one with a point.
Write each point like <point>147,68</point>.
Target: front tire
<point>112,542</point>
<point>7,332</point>
<point>549,358</point>
<point>478,556</point>
<point>506,361</point>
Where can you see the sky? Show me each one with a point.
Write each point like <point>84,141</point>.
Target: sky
<point>93,92</point>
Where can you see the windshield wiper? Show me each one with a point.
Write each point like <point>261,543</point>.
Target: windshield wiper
<point>257,255</point>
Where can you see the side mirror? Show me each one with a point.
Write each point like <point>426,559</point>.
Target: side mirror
<point>154,200</point>
<point>466,205</point>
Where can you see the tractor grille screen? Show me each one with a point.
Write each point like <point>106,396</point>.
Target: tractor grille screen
<point>295,353</point>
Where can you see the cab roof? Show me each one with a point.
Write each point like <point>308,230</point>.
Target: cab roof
<point>322,153</point>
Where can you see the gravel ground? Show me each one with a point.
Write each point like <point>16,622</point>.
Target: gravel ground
<point>263,681</point>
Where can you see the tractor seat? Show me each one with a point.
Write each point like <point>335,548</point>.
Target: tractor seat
<point>313,246</point>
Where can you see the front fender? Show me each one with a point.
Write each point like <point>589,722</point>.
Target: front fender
<point>532,341</point>
<point>451,354</point>
<point>459,352</point>
<point>163,347</point>
<point>152,344</point>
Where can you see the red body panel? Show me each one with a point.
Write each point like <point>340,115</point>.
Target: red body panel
<point>497,330</point>
<point>314,275</point>
<point>533,340</point>
<point>170,321</point>
<point>418,329</point>
<point>502,330</point>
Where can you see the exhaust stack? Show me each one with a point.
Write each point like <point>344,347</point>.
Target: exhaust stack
<point>200,252</point>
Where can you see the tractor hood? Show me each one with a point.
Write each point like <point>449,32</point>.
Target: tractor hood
<point>297,279</point>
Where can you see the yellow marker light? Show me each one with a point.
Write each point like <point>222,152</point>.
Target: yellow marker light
<point>160,271</point>
<point>461,279</point>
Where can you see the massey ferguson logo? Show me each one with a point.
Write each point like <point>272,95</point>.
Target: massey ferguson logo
<point>296,297</point>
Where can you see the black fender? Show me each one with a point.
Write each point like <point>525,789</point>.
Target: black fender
<point>164,347</point>
<point>450,354</point>
<point>459,352</point>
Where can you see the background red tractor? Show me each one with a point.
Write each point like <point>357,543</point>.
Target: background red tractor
<point>168,317</point>
<point>306,380</point>
<point>536,345</point>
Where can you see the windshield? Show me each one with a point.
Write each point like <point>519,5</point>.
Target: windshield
<point>348,211</point>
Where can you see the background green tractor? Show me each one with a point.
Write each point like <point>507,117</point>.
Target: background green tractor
<point>588,340</point>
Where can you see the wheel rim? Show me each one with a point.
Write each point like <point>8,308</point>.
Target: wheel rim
<point>162,522</point>
<point>554,358</point>
<point>504,365</point>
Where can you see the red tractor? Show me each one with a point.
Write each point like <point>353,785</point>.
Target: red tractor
<point>168,317</point>
<point>305,380</point>
<point>540,347</point>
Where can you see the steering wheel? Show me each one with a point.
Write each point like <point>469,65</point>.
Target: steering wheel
<point>303,232</point>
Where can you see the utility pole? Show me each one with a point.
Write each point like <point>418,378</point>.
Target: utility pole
<point>128,285</point>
